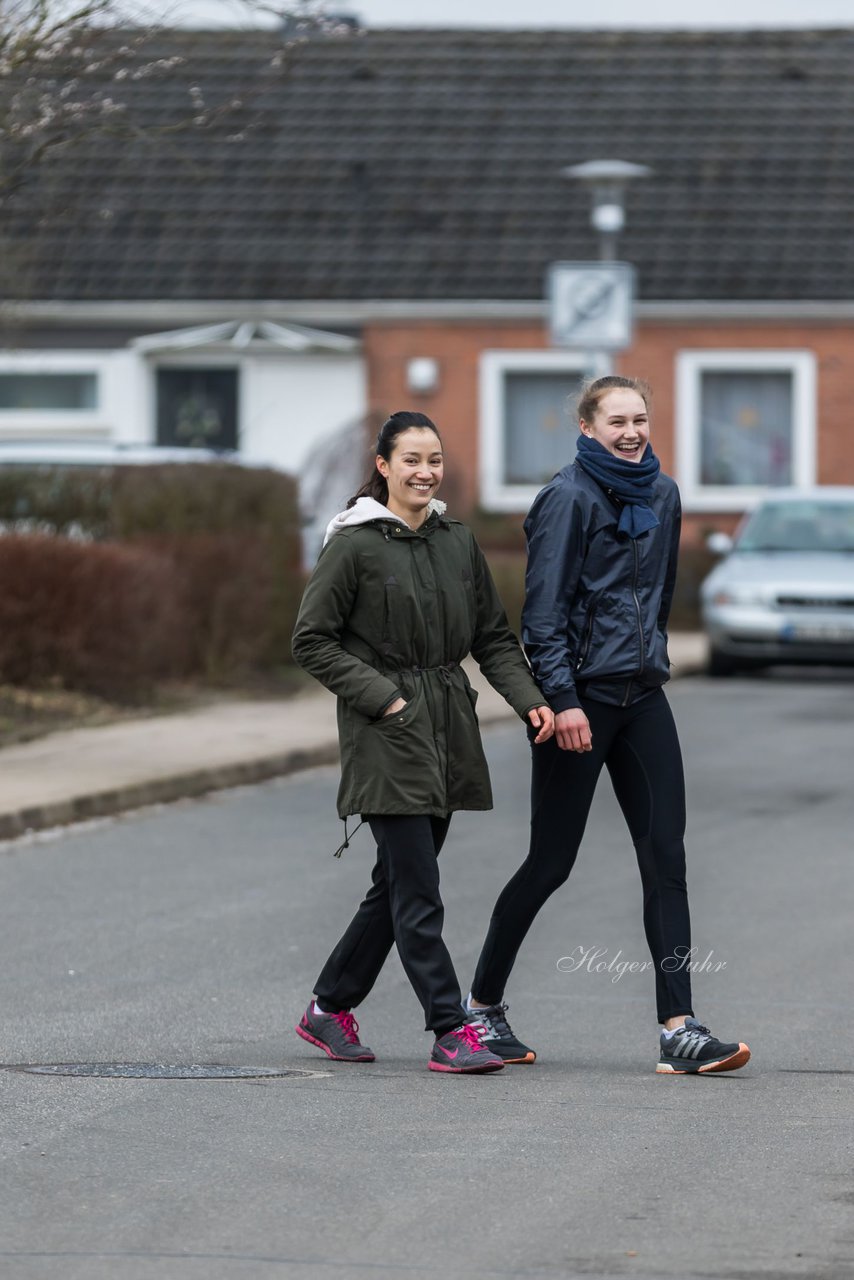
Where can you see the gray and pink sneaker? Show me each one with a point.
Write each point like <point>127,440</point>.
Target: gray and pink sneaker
<point>337,1034</point>
<point>463,1050</point>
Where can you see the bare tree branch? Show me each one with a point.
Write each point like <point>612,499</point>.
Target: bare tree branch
<point>66,68</point>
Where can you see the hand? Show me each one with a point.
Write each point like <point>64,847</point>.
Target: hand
<point>542,718</point>
<point>572,729</point>
<point>397,705</point>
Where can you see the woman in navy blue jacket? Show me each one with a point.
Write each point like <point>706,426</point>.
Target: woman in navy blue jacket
<point>603,541</point>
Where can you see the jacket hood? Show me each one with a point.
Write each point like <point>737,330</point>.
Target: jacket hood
<point>364,510</point>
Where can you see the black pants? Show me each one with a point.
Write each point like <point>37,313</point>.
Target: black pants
<point>402,906</point>
<point>640,749</point>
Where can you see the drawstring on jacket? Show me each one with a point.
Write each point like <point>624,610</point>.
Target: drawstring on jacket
<point>444,671</point>
<point>347,838</point>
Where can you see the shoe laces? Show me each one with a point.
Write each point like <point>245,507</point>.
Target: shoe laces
<point>696,1033</point>
<point>470,1034</point>
<point>494,1019</point>
<point>348,1025</point>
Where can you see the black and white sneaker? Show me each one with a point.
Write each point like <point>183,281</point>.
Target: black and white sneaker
<point>693,1050</point>
<point>498,1037</point>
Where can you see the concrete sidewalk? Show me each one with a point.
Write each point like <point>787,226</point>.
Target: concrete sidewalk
<point>87,773</point>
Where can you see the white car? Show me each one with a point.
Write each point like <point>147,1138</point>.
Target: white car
<point>785,591</point>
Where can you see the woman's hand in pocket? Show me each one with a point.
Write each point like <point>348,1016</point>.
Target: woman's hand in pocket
<point>394,707</point>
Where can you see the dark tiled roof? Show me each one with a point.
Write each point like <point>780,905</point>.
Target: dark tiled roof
<point>426,165</point>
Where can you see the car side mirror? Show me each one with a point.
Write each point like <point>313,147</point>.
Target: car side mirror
<point>720,544</point>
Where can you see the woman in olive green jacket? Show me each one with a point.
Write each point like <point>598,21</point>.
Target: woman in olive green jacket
<point>400,596</point>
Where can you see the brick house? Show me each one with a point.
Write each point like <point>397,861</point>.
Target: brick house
<point>374,233</point>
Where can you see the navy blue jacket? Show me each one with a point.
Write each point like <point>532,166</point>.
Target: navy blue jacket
<point>597,601</point>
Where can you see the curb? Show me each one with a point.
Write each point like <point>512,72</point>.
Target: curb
<point>199,782</point>
<point>181,786</point>
<point>184,786</point>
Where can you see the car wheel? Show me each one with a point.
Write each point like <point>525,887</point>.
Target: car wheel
<point>721,664</point>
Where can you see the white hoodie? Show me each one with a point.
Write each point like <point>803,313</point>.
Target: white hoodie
<point>365,509</point>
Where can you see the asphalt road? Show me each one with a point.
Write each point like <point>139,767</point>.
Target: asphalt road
<point>192,934</point>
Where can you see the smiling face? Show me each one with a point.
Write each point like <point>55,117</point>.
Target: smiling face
<point>413,473</point>
<point>620,424</point>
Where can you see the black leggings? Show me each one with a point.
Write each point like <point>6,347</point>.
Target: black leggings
<point>402,906</point>
<point>640,749</point>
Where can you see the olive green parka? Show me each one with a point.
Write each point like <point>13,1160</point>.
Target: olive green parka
<point>391,612</point>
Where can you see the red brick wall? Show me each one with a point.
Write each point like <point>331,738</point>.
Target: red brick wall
<point>454,406</point>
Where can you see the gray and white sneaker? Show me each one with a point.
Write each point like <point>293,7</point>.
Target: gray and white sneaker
<point>693,1050</point>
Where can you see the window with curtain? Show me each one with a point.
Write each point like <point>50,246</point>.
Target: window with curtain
<point>539,425</point>
<point>746,427</point>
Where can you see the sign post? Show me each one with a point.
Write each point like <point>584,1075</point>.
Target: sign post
<point>590,307</point>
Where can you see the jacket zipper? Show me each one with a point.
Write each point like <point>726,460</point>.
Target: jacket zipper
<point>640,619</point>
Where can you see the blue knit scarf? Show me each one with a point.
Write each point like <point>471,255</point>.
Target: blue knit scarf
<point>631,482</point>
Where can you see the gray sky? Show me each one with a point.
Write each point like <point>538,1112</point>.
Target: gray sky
<point>550,13</point>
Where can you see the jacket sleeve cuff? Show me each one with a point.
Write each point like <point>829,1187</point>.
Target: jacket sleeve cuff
<point>564,701</point>
<point>522,712</point>
<point>380,693</point>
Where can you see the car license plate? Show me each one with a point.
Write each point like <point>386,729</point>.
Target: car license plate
<point>823,635</point>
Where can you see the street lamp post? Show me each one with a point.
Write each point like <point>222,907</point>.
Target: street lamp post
<point>591,303</point>
<point>607,181</point>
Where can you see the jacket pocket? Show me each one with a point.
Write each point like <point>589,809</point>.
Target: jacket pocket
<point>472,695</point>
<point>396,718</point>
<point>391,628</point>
<point>658,659</point>
<point>394,766</point>
<point>586,636</point>
<point>470,597</point>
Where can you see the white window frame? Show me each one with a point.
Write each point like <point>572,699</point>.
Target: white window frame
<point>41,424</point>
<point>495,493</point>
<point>690,366</point>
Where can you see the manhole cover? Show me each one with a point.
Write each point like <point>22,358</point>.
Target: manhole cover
<point>159,1070</point>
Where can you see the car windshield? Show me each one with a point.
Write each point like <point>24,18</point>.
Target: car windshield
<point>800,525</point>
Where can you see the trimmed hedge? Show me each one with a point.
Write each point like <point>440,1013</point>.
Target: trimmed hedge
<point>114,578</point>
<point>238,607</point>
<point>103,619</point>
<point>135,501</point>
